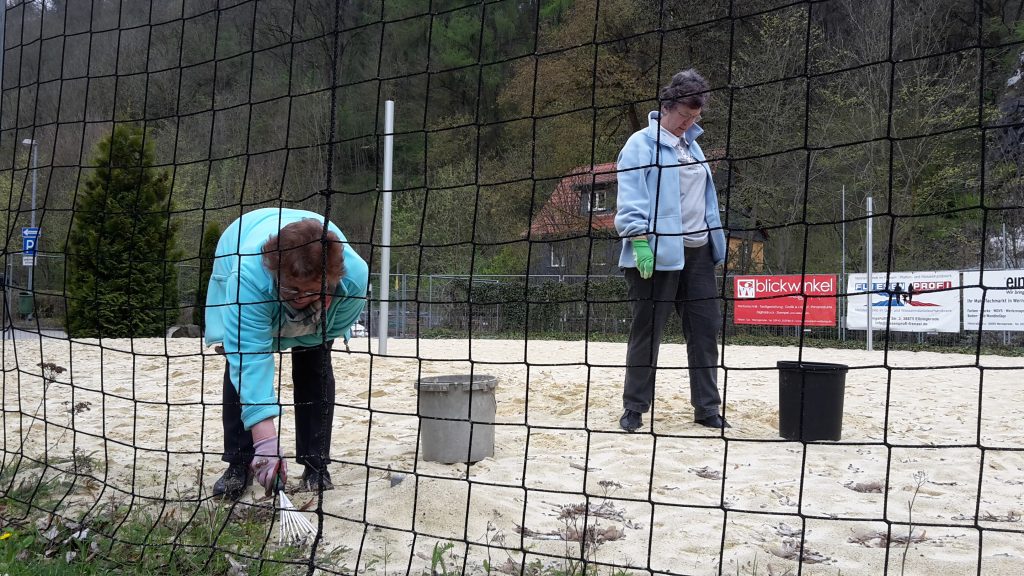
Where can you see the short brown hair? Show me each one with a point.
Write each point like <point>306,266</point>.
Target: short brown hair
<point>688,88</point>
<point>299,250</point>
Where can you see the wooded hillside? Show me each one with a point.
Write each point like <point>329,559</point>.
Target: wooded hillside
<point>267,102</point>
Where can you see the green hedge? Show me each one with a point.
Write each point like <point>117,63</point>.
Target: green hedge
<point>548,306</point>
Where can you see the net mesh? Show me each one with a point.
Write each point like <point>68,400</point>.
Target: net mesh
<point>133,132</point>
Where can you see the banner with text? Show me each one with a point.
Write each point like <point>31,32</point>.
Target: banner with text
<point>780,300</point>
<point>910,302</point>
<point>1003,294</point>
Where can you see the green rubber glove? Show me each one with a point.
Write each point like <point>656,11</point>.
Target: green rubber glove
<point>644,258</point>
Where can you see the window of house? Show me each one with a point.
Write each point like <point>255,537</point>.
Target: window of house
<point>597,198</point>
<point>557,256</point>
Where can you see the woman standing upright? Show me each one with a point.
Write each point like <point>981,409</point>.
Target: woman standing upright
<point>672,240</point>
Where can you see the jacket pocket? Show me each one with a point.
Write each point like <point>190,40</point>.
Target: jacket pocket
<point>668,243</point>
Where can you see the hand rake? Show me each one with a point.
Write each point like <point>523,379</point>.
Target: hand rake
<point>294,528</point>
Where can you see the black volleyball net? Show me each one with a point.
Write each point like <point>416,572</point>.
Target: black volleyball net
<point>476,420</point>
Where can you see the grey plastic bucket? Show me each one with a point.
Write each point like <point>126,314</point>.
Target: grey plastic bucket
<point>454,412</point>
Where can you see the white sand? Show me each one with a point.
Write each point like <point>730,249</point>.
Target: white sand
<point>153,424</point>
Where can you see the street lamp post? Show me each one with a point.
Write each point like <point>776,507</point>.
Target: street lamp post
<point>32,217</point>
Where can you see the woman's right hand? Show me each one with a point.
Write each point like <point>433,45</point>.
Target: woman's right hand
<point>267,462</point>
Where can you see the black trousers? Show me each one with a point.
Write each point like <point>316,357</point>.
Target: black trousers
<point>693,293</point>
<point>314,407</point>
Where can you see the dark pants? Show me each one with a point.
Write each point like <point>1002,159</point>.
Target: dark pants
<point>314,407</point>
<point>692,291</point>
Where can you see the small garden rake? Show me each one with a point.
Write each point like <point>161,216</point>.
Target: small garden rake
<point>294,528</point>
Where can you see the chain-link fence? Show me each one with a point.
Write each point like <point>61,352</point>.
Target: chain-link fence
<point>595,307</point>
<point>36,297</point>
<point>493,306</point>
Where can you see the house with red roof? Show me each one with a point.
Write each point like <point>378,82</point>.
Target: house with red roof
<point>574,231</point>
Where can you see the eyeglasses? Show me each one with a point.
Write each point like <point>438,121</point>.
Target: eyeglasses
<point>688,117</point>
<point>293,293</point>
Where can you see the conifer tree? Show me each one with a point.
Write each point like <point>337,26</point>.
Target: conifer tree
<point>122,280</point>
<point>207,250</point>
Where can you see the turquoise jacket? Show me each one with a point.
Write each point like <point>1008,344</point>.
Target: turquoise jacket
<point>648,203</point>
<point>243,309</point>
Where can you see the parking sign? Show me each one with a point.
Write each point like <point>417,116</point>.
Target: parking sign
<point>29,241</point>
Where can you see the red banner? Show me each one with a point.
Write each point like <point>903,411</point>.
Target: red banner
<point>791,300</point>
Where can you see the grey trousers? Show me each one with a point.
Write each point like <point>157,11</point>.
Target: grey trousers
<point>693,293</point>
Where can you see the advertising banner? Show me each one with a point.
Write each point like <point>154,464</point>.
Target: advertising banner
<point>910,302</point>
<point>790,300</point>
<point>1003,295</point>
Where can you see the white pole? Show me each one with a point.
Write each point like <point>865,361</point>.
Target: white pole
<point>35,172</point>
<point>868,251</point>
<point>1005,261</point>
<point>842,276</point>
<point>1006,335</point>
<point>385,232</point>
<point>32,217</point>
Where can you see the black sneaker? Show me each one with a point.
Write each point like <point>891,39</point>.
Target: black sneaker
<point>630,421</point>
<point>314,480</point>
<point>232,484</point>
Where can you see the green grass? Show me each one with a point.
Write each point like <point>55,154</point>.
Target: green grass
<point>42,534</point>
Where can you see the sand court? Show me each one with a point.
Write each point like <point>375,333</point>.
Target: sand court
<point>940,430</point>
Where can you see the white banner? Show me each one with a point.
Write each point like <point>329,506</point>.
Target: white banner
<point>910,302</point>
<point>1004,300</point>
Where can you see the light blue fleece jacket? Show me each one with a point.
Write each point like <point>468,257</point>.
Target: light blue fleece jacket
<point>649,194</point>
<point>244,311</point>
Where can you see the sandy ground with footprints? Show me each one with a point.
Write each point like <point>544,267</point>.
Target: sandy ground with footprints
<point>668,499</point>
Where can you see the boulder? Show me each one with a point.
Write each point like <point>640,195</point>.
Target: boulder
<point>184,331</point>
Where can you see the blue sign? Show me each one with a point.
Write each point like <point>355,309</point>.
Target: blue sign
<point>29,238</point>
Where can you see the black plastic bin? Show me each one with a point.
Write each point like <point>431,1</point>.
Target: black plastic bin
<point>811,400</point>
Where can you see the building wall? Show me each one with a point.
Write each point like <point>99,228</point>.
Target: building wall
<point>571,257</point>
<point>745,255</point>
